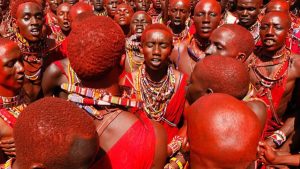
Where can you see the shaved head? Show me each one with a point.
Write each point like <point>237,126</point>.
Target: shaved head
<point>222,135</point>
<point>78,8</point>
<point>278,6</point>
<point>184,2</point>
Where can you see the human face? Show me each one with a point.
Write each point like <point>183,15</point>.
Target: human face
<point>157,4</point>
<point>248,11</point>
<point>207,17</point>
<point>138,23</point>
<point>123,15</point>
<point>195,88</point>
<point>11,68</point>
<point>156,47</point>
<point>223,4</point>
<point>30,20</point>
<point>72,2</point>
<point>222,44</point>
<point>98,5</point>
<point>179,12</point>
<point>142,5</point>
<point>54,4</point>
<point>63,17</point>
<point>111,7</point>
<point>4,4</point>
<point>274,30</point>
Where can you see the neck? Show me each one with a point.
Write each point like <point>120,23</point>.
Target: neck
<point>158,11</point>
<point>157,75</point>
<point>100,10</point>
<point>126,30</point>
<point>202,43</point>
<point>177,29</point>
<point>66,33</point>
<point>270,55</point>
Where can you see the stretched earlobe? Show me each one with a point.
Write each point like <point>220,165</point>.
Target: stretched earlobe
<point>241,57</point>
<point>209,91</point>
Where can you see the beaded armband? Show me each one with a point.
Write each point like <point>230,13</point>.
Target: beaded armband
<point>278,137</point>
<point>175,144</point>
<point>178,162</point>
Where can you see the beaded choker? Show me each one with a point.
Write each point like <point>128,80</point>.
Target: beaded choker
<point>132,50</point>
<point>8,102</point>
<point>156,95</point>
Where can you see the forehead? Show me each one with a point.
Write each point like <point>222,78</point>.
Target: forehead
<point>140,16</point>
<point>207,6</point>
<point>158,34</point>
<point>179,4</point>
<point>28,7</point>
<point>64,7</point>
<point>277,6</point>
<point>123,6</point>
<point>248,1</point>
<point>275,19</point>
<point>9,50</point>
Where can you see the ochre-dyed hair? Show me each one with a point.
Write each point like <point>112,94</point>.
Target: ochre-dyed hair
<point>14,4</point>
<point>223,132</point>
<point>156,26</point>
<point>46,130</point>
<point>95,48</point>
<point>127,6</point>
<point>242,38</point>
<point>224,75</point>
<point>283,4</point>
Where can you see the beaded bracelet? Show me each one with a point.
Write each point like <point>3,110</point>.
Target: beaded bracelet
<point>178,162</point>
<point>175,144</point>
<point>278,138</point>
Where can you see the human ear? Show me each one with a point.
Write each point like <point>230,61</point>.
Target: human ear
<point>241,57</point>
<point>209,91</point>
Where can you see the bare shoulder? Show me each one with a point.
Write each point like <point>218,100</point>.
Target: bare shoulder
<point>54,71</point>
<point>296,64</point>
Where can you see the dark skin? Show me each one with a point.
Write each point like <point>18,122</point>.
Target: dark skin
<point>178,13</point>
<point>63,18</point>
<point>11,81</point>
<point>206,18</point>
<point>72,2</point>
<point>142,5</point>
<point>4,4</point>
<point>111,7</point>
<point>54,4</point>
<point>98,5</point>
<point>123,17</point>
<point>248,11</point>
<point>274,29</point>
<point>278,5</point>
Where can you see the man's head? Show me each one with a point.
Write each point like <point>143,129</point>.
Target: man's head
<point>29,18</point>
<point>98,5</point>
<point>274,30</point>
<point>157,45</point>
<point>63,17</point>
<point>139,21</point>
<point>11,68</point>
<point>207,16</point>
<point>53,133</point>
<point>111,7</point>
<point>99,49</point>
<point>223,132</point>
<point>157,4</point>
<point>123,15</point>
<point>231,40</point>
<point>179,11</point>
<point>142,5</point>
<point>4,4</point>
<point>78,9</point>
<point>131,3</point>
<point>217,74</point>
<point>248,11</point>
<point>278,6</point>
<point>224,4</point>
<point>72,2</point>
<point>53,4</point>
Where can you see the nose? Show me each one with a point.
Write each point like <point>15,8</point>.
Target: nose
<point>34,21</point>
<point>209,50</point>
<point>55,2</point>
<point>156,50</point>
<point>65,16</point>
<point>244,13</point>
<point>19,68</point>
<point>114,5</point>
<point>177,14</point>
<point>205,19</point>
<point>270,31</point>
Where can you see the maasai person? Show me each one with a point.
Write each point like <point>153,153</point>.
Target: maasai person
<point>273,73</point>
<point>79,8</point>
<point>277,5</point>
<point>226,41</point>
<point>156,11</point>
<point>59,135</point>
<point>134,57</point>
<point>53,5</point>
<point>227,16</point>
<point>142,5</point>
<point>72,2</point>
<point>4,4</point>
<point>63,18</point>
<point>247,12</point>
<point>207,18</point>
<point>269,156</point>
<point>11,81</point>
<point>179,12</point>
<point>123,17</point>
<point>131,3</point>
<point>111,7</point>
<point>99,9</point>
<point>38,51</point>
<point>218,135</point>
<point>139,143</point>
<point>158,84</point>
<point>6,28</point>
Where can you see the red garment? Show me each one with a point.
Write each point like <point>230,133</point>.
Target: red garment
<point>8,117</point>
<point>175,107</point>
<point>134,150</point>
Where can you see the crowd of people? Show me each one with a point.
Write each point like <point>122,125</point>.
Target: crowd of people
<point>140,84</point>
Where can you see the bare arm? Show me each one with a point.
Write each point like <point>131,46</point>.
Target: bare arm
<point>259,108</point>
<point>160,147</point>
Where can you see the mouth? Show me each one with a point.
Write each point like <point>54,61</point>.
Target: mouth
<point>35,32</point>
<point>206,29</point>
<point>244,20</point>
<point>156,62</point>
<point>139,30</point>
<point>66,24</point>
<point>269,41</point>
<point>177,22</point>
<point>20,79</point>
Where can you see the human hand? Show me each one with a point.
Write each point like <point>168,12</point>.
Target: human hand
<point>266,153</point>
<point>8,146</point>
<point>270,142</point>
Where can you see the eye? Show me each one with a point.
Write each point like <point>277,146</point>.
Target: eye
<point>149,44</point>
<point>213,14</point>
<point>200,14</point>
<point>11,63</point>
<point>252,9</point>
<point>278,27</point>
<point>26,17</point>
<point>164,45</point>
<point>263,27</point>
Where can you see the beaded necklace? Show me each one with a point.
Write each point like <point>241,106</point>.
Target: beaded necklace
<point>7,102</point>
<point>103,13</point>
<point>10,115</point>
<point>132,50</point>
<point>156,95</point>
<point>254,30</point>
<point>191,52</point>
